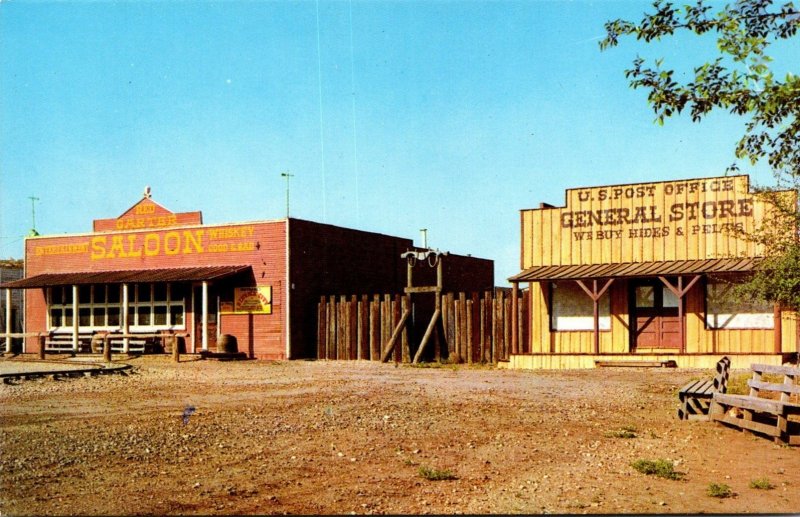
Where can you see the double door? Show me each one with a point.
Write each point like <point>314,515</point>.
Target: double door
<point>655,316</point>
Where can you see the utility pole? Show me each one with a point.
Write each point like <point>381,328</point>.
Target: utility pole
<point>287,176</point>
<point>33,199</point>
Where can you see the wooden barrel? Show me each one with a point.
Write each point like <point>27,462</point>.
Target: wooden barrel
<point>227,344</point>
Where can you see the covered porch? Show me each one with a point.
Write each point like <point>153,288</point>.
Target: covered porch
<point>668,312</point>
<point>134,311</point>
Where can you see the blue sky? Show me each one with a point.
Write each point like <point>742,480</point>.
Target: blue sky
<point>392,116</point>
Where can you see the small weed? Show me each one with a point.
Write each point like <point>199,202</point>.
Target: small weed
<point>409,462</point>
<point>737,383</point>
<point>426,365</point>
<point>659,468</point>
<point>720,490</point>
<point>623,432</point>
<point>761,484</point>
<point>435,474</point>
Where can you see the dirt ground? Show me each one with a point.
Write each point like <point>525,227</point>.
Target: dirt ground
<point>351,437</point>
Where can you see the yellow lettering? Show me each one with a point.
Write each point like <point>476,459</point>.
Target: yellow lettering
<point>98,247</point>
<point>145,209</point>
<point>172,243</point>
<point>116,245</point>
<point>152,244</point>
<point>132,250</point>
<point>195,238</point>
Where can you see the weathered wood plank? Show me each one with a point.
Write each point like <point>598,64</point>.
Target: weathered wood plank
<point>428,332</point>
<point>770,386</point>
<point>775,407</point>
<point>750,425</point>
<point>375,328</point>
<point>780,370</point>
<point>392,340</point>
<point>405,306</point>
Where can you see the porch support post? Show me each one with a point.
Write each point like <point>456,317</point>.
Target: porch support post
<point>514,323</point>
<point>205,316</point>
<point>126,320</point>
<point>778,329</point>
<point>680,291</point>
<point>74,318</point>
<point>595,295</point>
<point>8,320</point>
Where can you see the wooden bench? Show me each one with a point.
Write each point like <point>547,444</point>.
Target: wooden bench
<point>695,397</point>
<point>62,342</point>
<point>768,408</point>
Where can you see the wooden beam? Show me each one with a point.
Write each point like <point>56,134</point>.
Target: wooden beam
<point>514,324</point>
<point>428,332</point>
<point>778,331</point>
<point>595,294</point>
<point>8,320</point>
<point>679,292</point>
<point>428,289</point>
<point>390,345</point>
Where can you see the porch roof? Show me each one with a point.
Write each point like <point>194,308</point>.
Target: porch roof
<point>636,269</point>
<point>181,274</point>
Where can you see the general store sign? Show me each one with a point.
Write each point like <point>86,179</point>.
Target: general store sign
<point>658,210</point>
<point>692,219</point>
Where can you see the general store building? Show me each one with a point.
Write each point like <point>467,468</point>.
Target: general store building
<point>639,273</point>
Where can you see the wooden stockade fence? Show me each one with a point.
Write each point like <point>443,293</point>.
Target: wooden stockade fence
<point>473,327</point>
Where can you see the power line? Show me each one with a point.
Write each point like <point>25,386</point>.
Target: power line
<point>355,140</point>
<point>321,128</point>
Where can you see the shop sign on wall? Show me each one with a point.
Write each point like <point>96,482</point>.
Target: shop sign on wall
<point>249,300</point>
<point>694,207</point>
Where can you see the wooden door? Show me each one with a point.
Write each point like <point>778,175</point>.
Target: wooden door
<point>212,318</point>
<point>654,309</point>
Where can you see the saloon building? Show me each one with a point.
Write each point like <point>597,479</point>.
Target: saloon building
<point>639,273</point>
<point>151,272</point>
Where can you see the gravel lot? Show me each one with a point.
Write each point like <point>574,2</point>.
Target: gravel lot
<point>351,437</point>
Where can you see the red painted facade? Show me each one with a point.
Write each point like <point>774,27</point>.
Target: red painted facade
<point>322,260</point>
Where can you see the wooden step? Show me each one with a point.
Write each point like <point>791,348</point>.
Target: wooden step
<point>636,364</point>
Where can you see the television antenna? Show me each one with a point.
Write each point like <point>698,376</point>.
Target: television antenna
<point>33,199</point>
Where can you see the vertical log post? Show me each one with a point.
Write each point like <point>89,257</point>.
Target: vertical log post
<point>405,306</point>
<point>176,348</point>
<point>595,294</point>
<point>514,324</point>
<point>778,329</point>
<point>107,348</point>
<point>679,292</point>
<point>75,319</point>
<point>8,321</point>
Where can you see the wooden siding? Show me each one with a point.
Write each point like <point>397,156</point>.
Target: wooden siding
<point>261,245</point>
<point>649,222</point>
<point>580,361</point>
<point>699,339</point>
<point>677,220</point>
<point>475,327</point>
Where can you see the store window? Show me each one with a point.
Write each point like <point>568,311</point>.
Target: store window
<point>572,309</point>
<point>151,307</point>
<point>725,312</point>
